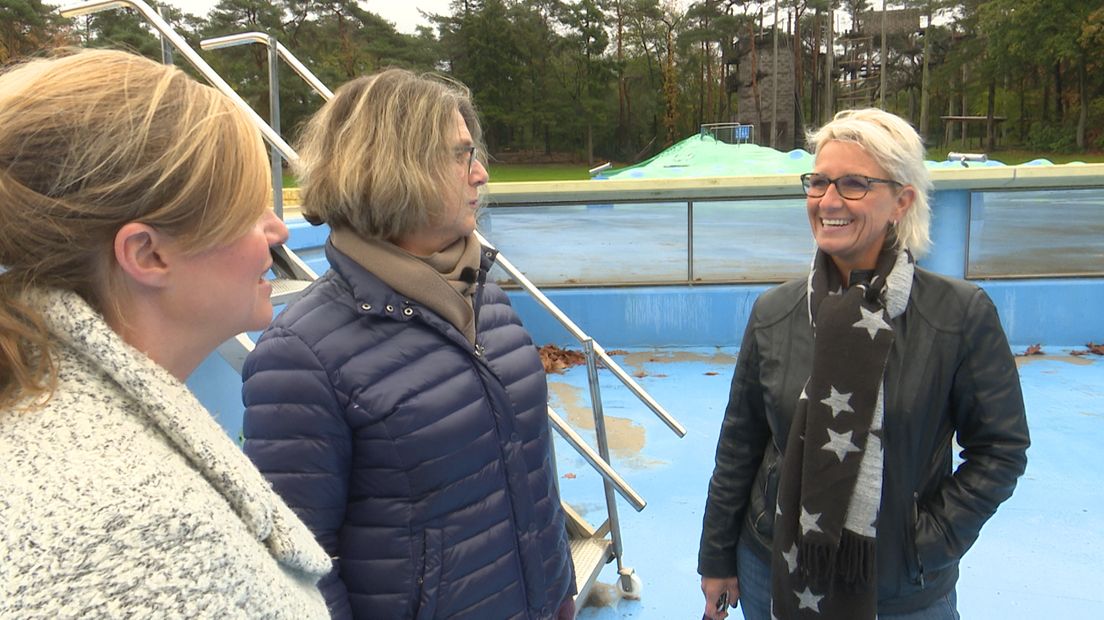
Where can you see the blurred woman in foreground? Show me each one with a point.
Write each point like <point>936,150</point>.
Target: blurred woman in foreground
<point>135,239</point>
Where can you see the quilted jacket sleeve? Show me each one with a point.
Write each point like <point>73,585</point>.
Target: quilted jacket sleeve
<point>988,408</point>
<point>296,434</point>
<point>744,436</point>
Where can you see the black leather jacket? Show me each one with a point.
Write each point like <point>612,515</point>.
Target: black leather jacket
<point>950,372</point>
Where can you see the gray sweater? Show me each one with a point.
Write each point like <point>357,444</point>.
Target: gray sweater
<point>122,498</point>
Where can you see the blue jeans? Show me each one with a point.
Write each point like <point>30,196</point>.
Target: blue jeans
<point>755,593</point>
<point>755,583</point>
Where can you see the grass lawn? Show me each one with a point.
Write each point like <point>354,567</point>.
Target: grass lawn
<point>1019,156</point>
<point>507,173</point>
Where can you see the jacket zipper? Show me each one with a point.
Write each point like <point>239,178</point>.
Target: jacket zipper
<point>915,522</point>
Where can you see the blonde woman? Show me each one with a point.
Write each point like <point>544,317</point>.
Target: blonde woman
<point>135,238</point>
<point>835,494</point>
<point>399,405</point>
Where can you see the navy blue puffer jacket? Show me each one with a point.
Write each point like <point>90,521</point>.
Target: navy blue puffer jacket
<point>421,463</point>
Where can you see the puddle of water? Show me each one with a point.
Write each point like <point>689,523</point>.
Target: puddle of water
<point>636,360</point>
<point>626,438</point>
<point>1076,360</point>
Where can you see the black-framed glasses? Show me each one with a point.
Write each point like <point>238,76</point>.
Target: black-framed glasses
<point>849,186</point>
<point>470,152</point>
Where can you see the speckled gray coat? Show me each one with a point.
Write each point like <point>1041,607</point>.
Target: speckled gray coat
<point>122,498</point>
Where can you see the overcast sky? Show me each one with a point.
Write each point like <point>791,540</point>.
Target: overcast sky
<point>403,13</point>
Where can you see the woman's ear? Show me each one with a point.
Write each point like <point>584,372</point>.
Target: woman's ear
<point>142,253</point>
<point>904,201</point>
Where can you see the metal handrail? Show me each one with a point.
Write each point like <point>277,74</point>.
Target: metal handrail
<point>167,32</point>
<point>270,44</point>
<point>610,478</point>
<point>547,304</point>
<point>583,338</point>
<point>736,128</point>
<point>596,461</point>
<point>263,38</point>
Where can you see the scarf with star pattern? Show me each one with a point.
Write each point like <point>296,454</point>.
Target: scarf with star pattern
<point>823,556</point>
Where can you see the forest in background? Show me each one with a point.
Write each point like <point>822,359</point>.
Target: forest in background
<point>594,80</point>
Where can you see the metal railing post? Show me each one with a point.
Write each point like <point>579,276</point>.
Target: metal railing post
<point>273,48</point>
<point>166,48</point>
<point>603,446</point>
<point>690,242</point>
<point>212,76</point>
<point>274,121</point>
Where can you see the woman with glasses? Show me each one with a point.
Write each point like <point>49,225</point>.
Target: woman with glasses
<point>399,406</point>
<point>835,493</point>
<point>135,238</point>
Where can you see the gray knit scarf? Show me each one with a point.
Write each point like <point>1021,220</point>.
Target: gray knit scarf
<point>830,487</point>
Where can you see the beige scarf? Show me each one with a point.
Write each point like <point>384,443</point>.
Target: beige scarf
<point>434,281</point>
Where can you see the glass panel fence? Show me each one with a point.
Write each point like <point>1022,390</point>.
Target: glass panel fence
<point>578,245</point>
<point>764,240</point>
<point>1057,232</point>
<point>751,240</point>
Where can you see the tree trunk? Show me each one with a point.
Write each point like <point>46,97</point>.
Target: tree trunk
<point>948,126</point>
<point>882,62</point>
<point>1059,108</point>
<point>829,53</point>
<point>670,90</point>
<point>774,82</point>
<point>622,86</point>
<point>1046,97</point>
<point>814,81</point>
<point>924,81</point>
<point>1083,94</point>
<point>1023,110</point>
<point>965,81</point>
<point>755,95</point>
<point>990,133</point>
<point>703,84</point>
<point>799,65</point>
<point>590,145</point>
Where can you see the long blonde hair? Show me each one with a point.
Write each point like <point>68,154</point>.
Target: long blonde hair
<point>375,157</point>
<point>90,141</point>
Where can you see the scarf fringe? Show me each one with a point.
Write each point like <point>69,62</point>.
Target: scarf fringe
<point>852,565</point>
<point>817,562</point>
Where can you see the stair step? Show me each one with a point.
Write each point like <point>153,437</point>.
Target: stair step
<point>589,556</point>
<point>285,290</point>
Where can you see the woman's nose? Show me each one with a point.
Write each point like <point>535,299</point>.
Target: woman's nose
<point>479,174</point>
<point>831,195</point>
<point>275,230</point>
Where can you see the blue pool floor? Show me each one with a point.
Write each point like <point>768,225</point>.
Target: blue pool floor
<point>1039,557</point>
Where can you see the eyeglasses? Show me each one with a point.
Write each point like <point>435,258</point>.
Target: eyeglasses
<point>469,152</point>
<point>849,186</point>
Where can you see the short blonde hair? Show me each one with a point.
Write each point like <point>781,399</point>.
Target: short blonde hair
<point>90,141</point>
<point>896,148</point>
<point>376,157</point>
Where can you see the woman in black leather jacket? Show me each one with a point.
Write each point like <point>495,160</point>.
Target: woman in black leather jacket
<point>834,493</point>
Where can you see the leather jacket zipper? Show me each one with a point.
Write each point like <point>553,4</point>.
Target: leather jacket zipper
<point>915,522</point>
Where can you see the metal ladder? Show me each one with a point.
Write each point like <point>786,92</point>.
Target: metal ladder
<point>590,549</point>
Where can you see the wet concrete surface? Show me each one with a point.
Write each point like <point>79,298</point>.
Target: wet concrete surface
<point>1038,557</point>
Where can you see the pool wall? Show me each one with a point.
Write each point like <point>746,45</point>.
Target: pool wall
<point>1055,312</point>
